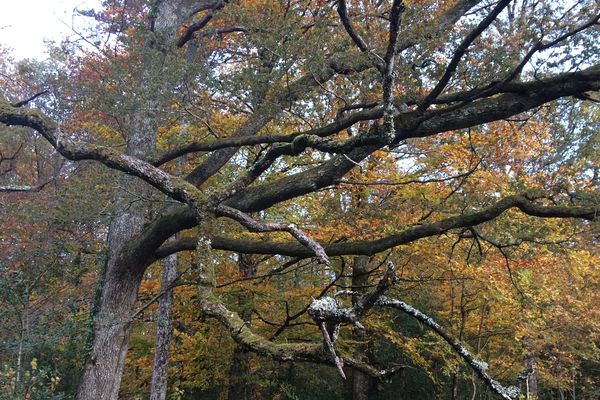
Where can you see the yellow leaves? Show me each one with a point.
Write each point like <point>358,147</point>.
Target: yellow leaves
<point>149,286</point>
<point>95,126</point>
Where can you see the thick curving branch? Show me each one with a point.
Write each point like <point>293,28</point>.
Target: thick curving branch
<point>409,235</point>
<point>172,186</point>
<point>313,352</point>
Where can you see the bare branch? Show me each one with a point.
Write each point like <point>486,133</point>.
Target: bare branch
<point>389,111</point>
<point>410,181</point>
<point>26,101</point>
<point>480,367</point>
<point>257,226</point>
<point>442,23</point>
<point>339,363</point>
<point>24,188</point>
<point>460,51</point>
<point>355,36</point>
<point>189,32</point>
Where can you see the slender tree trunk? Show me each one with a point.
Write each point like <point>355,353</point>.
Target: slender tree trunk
<point>454,391</point>
<point>164,330</point>
<point>364,387</point>
<point>239,386</point>
<point>531,389</point>
<point>22,339</point>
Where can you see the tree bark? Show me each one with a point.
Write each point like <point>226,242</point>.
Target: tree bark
<point>103,370</point>
<point>531,387</point>
<point>112,326</point>
<point>164,330</point>
<point>239,387</point>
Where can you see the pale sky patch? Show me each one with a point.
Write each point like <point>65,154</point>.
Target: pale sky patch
<point>26,24</point>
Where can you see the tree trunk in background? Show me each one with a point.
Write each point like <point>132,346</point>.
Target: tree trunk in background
<point>104,368</point>
<point>364,387</point>
<point>531,389</point>
<point>164,330</point>
<point>240,386</point>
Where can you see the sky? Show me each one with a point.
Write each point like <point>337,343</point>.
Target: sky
<point>25,24</point>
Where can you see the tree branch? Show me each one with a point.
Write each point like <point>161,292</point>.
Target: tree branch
<point>460,51</point>
<point>409,235</point>
<point>257,226</point>
<point>173,186</point>
<point>211,6</point>
<point>242,334</point>
<point>28,100</point>
<point>480,367</point>
<point>389,111</point>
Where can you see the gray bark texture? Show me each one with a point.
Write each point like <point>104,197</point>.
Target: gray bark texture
<point>112,326</point>
<point>164,330</point>
<point>104,368</point>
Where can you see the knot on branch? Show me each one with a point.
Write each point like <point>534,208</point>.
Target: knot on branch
<point>327,315</point>
<point>323,309</point>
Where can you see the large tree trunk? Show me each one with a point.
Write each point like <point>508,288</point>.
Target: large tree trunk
<point>112,323</point>
<point>364,387</point>
<point>112,326</point>
<point>104,368</point>
<point>158,387</point>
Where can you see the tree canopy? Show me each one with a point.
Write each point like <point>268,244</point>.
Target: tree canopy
<point>304,199</point>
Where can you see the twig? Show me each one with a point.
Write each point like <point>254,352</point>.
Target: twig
<point>29,99</point>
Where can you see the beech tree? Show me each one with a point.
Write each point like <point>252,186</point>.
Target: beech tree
<point>265,106</point>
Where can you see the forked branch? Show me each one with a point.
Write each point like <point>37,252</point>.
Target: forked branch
<point>258,226</point>
<point>460,52</point>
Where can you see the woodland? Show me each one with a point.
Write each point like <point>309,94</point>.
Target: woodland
<point>304,199</point>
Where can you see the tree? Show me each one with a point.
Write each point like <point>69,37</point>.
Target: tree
<point>312,94</point>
